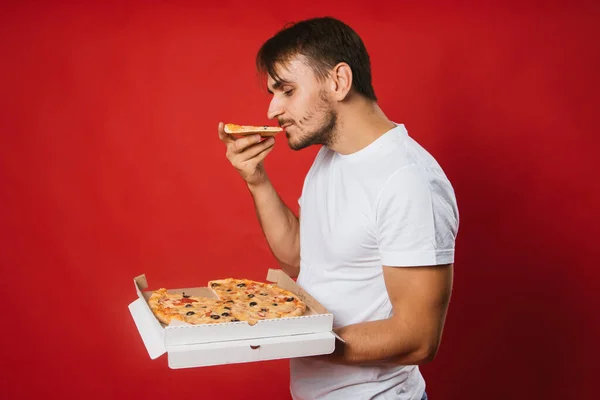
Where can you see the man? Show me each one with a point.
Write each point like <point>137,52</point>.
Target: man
<point>374,239</point>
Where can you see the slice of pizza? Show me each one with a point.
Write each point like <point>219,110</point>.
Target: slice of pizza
<point>242,130</point>
<point>170,305</point>
<point>254,300</point>
<point>238,289</point>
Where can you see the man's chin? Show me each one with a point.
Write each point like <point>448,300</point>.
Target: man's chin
<point>296,145</point>
<point>299,141</point>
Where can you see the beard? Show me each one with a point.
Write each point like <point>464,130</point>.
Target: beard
<point>326,131</point>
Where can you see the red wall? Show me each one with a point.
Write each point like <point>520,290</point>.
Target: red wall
<point>110,167</point>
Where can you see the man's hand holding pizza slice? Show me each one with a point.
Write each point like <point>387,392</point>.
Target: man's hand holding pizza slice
<point>246,149</point>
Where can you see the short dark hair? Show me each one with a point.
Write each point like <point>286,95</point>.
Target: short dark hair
<point>324,42</point>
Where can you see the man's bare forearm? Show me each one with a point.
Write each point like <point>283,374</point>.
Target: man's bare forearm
<point>279,224</point>
<point>381,342</point>
<point>412,335</point>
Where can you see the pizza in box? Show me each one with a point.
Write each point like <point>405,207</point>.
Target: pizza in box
<point>237,300</point>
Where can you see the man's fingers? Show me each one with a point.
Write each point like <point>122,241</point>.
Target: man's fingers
<point>225,138</point>
<point>240,145</point>
<point>262,155</point>
<point>256,149</point>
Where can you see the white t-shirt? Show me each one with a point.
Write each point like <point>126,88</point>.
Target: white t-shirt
<point>387,204</point>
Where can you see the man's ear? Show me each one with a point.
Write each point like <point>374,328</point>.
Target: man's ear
<point>341,81</point>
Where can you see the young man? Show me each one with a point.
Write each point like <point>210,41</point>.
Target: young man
<point>374,240</point>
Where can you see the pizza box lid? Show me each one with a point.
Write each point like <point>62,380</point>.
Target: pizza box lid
<point>158,337</point>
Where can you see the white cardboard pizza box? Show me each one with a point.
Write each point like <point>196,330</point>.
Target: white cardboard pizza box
<point>202,345</point>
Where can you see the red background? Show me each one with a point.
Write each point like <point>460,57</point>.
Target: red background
<point>110,167</point>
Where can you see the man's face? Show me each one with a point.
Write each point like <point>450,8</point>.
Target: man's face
<point>302,106</point>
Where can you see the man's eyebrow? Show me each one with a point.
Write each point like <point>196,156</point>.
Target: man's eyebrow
<point>278,83</point>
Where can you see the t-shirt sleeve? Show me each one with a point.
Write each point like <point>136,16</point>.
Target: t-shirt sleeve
<point>417,220</point>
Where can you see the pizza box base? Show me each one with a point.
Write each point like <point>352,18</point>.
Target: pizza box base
<point>215,344</point>
<point>252,350</point>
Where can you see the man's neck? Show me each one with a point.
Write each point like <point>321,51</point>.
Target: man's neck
<point>360,122</point>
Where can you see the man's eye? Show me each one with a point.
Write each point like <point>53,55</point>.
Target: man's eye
<point>288,92</point>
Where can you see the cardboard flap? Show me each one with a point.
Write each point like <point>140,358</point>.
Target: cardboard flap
<point>149,328</point>
<point>140,283</point>
<point>338,337</point>
<point>283,280</point>
<point>280,278</point>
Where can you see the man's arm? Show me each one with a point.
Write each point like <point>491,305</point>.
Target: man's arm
<point>420,298</point>
<point>280,226</point>
<point>416,230</point>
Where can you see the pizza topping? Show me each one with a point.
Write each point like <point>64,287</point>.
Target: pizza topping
<point>190,313</point>
<point>252,304</point>
<point>188,305</point>
<point>215,316</point>
<point>225,314</point>
<point>215,284</point>
<point>241,285</point>
<point>185,296</point>
<point>227,308</point>
<point>187,300</point>
<point>250,295</point>
<point>264,309</point>
<point>235,320</point>
<point>289,299</point>
<point>263,294</point>
<point>275,304</point>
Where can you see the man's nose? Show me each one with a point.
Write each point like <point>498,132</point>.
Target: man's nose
<point>274,110</point>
